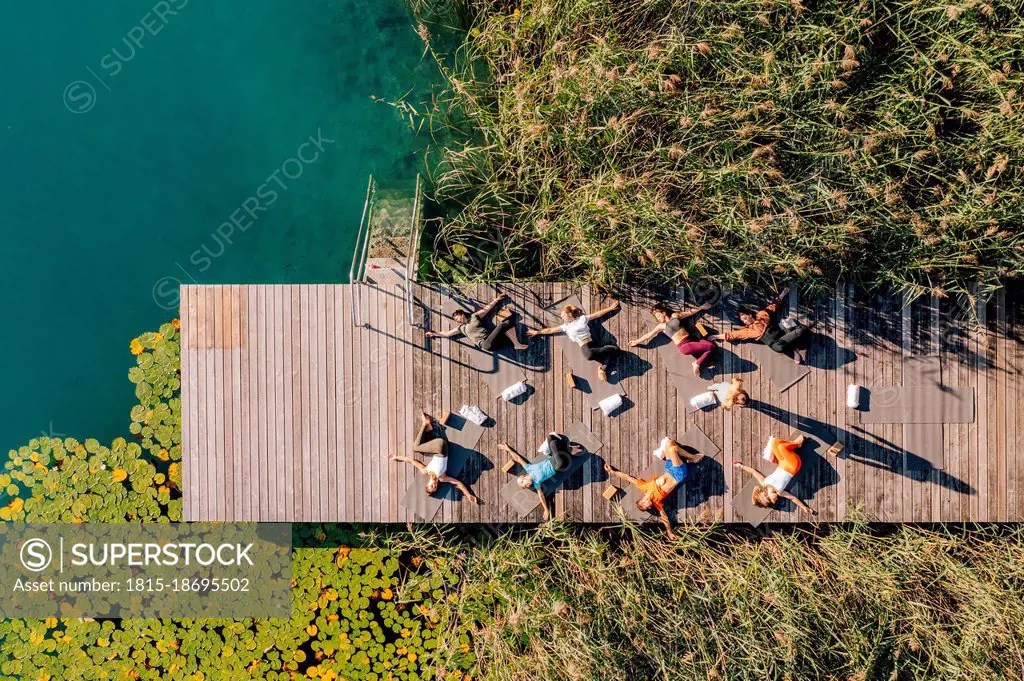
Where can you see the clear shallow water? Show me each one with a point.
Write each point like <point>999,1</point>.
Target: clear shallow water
<point>121,166</point>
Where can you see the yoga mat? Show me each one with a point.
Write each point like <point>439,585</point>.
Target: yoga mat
<point>580,434</point>
<point>695,441</point>
<point>919,404</point>
<point>525,501</point>
<point>462,438</point>
<point>744,507</point>
<point>922,370</point>
<point>585,371</point>
<point>923,446</point>
<point>679,367</point>
<point>784,372</point>
<point>499,368</point>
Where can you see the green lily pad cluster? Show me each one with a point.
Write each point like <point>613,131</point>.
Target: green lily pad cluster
<point>360,611</point>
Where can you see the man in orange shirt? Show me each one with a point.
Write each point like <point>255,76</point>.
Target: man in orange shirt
<point>657,489</point>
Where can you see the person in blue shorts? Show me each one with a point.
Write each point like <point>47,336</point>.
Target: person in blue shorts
<point>656,490</point>
<point>559,458</point>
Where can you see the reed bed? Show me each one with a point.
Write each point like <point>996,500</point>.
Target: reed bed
<point>853,603</point>
<point>742,141</point>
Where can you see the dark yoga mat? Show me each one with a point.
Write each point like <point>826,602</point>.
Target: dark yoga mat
<point>499,368</point>
<point>919,404</point>
<point>679,367</point>
<point>585,371</point>
<point>742,503</point>
<point>525,501</point>
<point>784,372</point>
<point>694,441</point>
<point>463,437</point>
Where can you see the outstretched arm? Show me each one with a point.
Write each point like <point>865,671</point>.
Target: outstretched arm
<point>798,502</point>
<point>782,296</point>
<point>443,334</point>
<point>646,338</point>
<point>546,331</point>
<point>604,311</point>
<point>513,453</point>
<point>667,523</point>
<point>686,314</point>
<point>486,309</point>
<point>544,503</point>
<point>754,472</point>
<point>404,459</point>
<point>620,475</point>
<point>459,485</point>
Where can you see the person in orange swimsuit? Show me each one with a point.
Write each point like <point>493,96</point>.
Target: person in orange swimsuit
<point>656,490</point>
<point>785,454</point>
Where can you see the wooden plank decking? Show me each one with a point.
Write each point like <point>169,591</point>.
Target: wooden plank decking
<point>290,410</point>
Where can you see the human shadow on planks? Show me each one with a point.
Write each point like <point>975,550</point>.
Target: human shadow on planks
<point>859,446</point>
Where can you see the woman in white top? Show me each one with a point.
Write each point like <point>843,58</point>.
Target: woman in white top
<point>576,325</point>
<point>730,393</point>
<point>787,459</point>
<point>436,470</point>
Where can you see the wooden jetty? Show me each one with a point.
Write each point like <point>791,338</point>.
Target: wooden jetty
<point>291,404</point>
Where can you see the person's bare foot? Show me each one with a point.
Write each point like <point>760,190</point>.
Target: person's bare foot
<point>427,420</point>
<point>602,372</point>
<point>696,369</point>
<point>521,346</point>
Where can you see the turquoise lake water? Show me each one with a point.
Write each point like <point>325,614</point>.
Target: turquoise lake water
<point>132,131</point>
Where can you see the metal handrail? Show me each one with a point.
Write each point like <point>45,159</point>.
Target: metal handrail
<point>414,249</point>
<point>357,271</point>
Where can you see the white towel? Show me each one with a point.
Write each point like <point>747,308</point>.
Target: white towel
<point>609,404</point>
<point>854,395</point>
<point>704,400</point>
<point>473,413</point>
<point>769,449</point>
<point>513,391</point>
<point>659,453</point>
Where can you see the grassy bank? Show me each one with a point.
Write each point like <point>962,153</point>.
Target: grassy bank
<point>737,140</point>
<point>851,604</point>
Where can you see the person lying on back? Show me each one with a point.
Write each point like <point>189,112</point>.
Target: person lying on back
<point>785,454</point>
<point>671,324</point>
<point>558,459</point>
<point>436,470</point>
<point>576,325</point>
<point>473,325</point>
<point>755,324</point>
<point>656,490</point>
